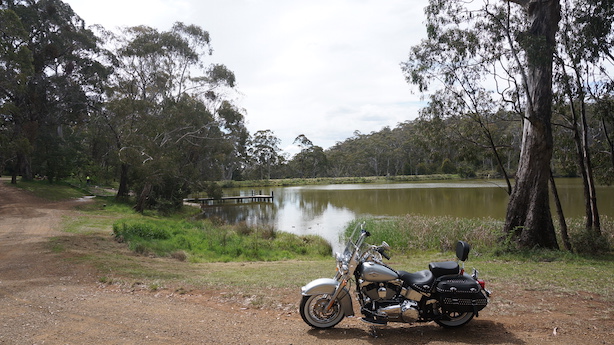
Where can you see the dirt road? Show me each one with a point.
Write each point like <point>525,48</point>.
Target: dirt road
<point>47,299</point>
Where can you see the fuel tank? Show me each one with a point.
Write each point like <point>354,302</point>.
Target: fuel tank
<point>370,271</point>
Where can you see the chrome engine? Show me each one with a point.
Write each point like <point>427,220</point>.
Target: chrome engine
<point>380,291</point>
<point>386,300</point>
<point>406,311</point>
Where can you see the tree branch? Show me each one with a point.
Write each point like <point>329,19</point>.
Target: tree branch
<point>520,2</point>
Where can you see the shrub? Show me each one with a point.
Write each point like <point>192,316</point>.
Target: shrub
<point>139,229</point>
<point>587,242</point>
<point>204,241</point>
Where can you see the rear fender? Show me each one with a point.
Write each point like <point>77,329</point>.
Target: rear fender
<point>328,286</point>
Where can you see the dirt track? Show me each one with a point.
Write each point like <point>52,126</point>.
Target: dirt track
<point>46,299</point>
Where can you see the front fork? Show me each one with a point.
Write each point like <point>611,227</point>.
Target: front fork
<point>338,290</point>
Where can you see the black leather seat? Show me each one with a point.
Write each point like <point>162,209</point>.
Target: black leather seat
<point>444,268</point>
<point>421,280</point>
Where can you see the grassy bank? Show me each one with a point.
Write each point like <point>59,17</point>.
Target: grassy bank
<point>54,192</point>
<point>336,180</point>
<point>202,241</point>
<point>425,233</point>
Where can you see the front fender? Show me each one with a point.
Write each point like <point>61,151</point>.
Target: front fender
<point>328,286</point>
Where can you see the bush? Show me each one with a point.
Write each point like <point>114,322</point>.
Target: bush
<point>139,229</point>
<point>447,167</point>
<point>203,241</point>
<point>587,242</point>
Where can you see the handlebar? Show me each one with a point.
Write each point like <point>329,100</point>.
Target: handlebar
<point>382,251</point>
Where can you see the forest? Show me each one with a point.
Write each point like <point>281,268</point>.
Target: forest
<point>516,90</point>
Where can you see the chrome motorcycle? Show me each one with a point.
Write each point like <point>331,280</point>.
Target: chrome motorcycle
<point>444,293</point>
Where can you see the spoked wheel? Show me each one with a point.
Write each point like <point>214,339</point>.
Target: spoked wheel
<point>454,319</point>
<point>314,313</point>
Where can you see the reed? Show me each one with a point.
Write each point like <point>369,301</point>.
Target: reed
<point>428,233</point>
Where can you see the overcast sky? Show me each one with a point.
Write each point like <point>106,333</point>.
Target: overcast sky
<point>322,68</point>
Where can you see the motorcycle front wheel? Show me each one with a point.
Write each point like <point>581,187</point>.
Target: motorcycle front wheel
<point>455,319</point>
<point>314,313</point>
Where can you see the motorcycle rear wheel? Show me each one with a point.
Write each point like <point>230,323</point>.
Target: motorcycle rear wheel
<point>455,319</point>
<point>314,313</point>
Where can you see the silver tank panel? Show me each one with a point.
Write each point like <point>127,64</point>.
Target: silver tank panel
<point>373,272</point>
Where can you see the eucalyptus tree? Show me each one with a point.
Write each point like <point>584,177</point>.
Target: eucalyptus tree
<point>167,113</point>
<point>582,63</point>
<point>513,47</point>
<point>51,79</point>
<point>15,69</point>
<point>265,152</point>
<point>311,160</point>
<point>464,54</point>
<point>344,158</point>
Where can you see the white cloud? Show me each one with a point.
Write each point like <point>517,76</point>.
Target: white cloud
<point>323,68</point>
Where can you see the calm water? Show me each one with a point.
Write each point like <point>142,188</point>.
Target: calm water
<point>326,210</point>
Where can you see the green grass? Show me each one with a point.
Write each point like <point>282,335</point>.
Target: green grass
<point>337,180</point>
<point>202,241</point>
<point>54,192</point>
<point>411,233</point>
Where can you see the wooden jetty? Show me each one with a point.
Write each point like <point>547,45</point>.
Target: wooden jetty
<point>236,199</point>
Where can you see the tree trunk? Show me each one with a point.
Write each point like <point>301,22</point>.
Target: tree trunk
<point>610,142</point>
<point>528,216</point>
<point>594,224</point>
<point>25,167</point>
<point>559,211</point>
<point>143,198</point>
<point>16,169</point>
<point>495,152</point>
<point>122,191</point>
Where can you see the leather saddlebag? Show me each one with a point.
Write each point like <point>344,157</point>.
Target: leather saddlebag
<point>461,294</point>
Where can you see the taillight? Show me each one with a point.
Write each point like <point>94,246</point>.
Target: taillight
<point>482,284</point>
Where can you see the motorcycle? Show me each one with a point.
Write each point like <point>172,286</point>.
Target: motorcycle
<point>444,293</point>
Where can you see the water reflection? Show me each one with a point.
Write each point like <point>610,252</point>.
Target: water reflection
<point>326,210</point>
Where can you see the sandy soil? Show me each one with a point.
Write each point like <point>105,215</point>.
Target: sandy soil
<point>46,298</point>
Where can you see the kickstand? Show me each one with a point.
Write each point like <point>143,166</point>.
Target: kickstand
<point>373,331</point>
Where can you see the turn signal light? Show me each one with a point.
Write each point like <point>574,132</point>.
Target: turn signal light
<point>482,284</point>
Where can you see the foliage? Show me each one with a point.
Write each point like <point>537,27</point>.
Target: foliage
<point>265,152</point>
<point>419,233</point>
<point>492,59</point>
<point>204,241</point>
<point>169,124</point>
<point>55,192</point>
<point>50,75</point>
<point>311,161</point>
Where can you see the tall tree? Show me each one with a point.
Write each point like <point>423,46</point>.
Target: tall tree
<point>583,60</point>
<point>53,78</point>
<point>171,124</point>
<point>311,161</point>
<point>16,67</point>
<point>265,151</point>
<point>528,213</point>
<point>467,44</point>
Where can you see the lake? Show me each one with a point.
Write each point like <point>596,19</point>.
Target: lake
<point>326,210</point>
